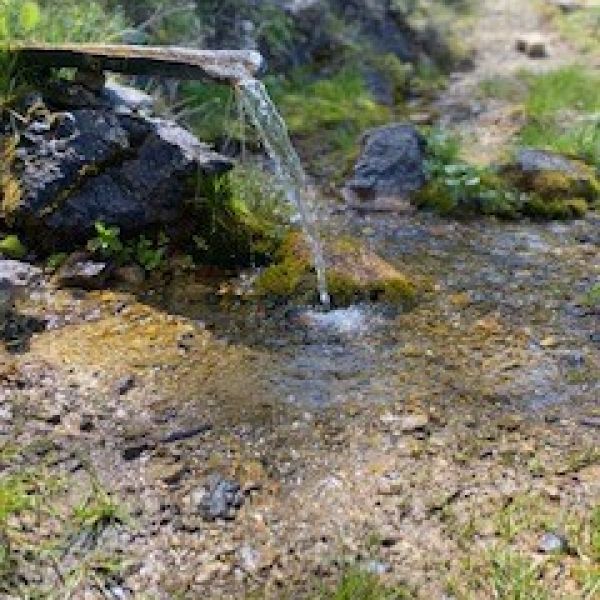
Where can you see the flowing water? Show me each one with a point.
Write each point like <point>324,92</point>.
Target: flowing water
<point>263,114</point>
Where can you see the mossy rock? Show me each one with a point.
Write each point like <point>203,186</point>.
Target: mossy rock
<point>355,274</point>
<point>557,187</point>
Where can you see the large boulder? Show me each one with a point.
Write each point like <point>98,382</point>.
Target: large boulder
<point>391,163</point>
<point>68,168</point>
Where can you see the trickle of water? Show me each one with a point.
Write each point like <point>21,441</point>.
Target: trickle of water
<point>264,116</point>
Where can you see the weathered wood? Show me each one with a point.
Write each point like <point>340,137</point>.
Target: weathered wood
<point>223,66</point>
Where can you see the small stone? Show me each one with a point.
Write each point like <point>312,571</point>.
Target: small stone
<point>593,422</point>
<point>533,45</point>
<point>219,498</point>
<point>125,385</point>
<point>410,423</point>
<point>552,543</point>
<point>249,559</point>
<point>376,567</point>
<point>132,275</point>
<point>549,342</point>
<point>80,271</point>
<point>87,423</point>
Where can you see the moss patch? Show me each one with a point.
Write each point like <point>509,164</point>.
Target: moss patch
<point>354,274</point>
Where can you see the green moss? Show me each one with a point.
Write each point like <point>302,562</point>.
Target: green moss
<point>354,275</point>
<point>283,279</point>
<point>12,247</point>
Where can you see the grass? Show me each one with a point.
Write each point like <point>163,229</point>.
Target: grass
<point>563,110</point>
<point>357,584</point>
<point>514,577</point>
<point>326,117</point>
<point>99,511</point>
<point>581,27</point>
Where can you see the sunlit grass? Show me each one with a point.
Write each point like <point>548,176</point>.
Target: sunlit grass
<point>563,110</point>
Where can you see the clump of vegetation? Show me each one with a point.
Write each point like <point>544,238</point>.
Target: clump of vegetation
<point>354,274</point>
<point>340,105</point>
<point>97,512</point>
<point>562,107</point>
<point>147,253</point>
<point>12,247</point>
<point>581,26</point>
<point>242,219</point>
<point>358,584</point>
<point>458,188</point>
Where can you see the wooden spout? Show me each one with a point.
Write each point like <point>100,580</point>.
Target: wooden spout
<point>222,66</point>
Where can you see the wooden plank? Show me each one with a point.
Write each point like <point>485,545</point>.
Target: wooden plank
<point>223,66</point>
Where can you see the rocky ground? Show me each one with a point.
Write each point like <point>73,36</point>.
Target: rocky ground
<point>167,440</point>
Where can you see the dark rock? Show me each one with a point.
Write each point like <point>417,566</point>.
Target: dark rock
<point>80,271</point>
<point>391,163</point>
<point>124,385</point>
<point>93,163</point>
<point>134,452</point>
<point>185,434</point>
<point>219,498</point>
<point>127,99</point>
<point>87,423</point>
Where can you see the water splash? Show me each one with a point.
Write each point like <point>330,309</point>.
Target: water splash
<point>263,114</point>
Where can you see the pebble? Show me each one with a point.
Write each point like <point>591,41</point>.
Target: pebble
<point>124,385</point>
<point>552,543</point>
<point>219,498</point>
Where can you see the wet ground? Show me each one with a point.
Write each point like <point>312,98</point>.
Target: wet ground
<point>397,440</point>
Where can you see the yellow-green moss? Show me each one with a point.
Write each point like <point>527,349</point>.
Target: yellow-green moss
<point>10,187</point>
<point>12,247</point>
<point>559,208</point>
<point>355,274</point>
<point>282,279</point>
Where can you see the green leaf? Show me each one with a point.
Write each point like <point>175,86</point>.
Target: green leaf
<point>29,15</point>
<point>4,32</point>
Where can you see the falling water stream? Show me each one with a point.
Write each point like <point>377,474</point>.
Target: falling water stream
<point>263,114</point>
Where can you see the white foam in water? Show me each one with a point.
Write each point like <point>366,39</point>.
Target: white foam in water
<point>343,320</point>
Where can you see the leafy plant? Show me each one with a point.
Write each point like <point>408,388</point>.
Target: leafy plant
<point>107,241</point>
<point>457,187</point>
<point>148,254</point>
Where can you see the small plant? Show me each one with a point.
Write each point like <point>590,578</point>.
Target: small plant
<point>358,584</point>
<point>107,241</point>
<point>457,187</point>
<point>592,296</point>
<point>98,512</point>
<point>149,255</point>
<point>515,578</point>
